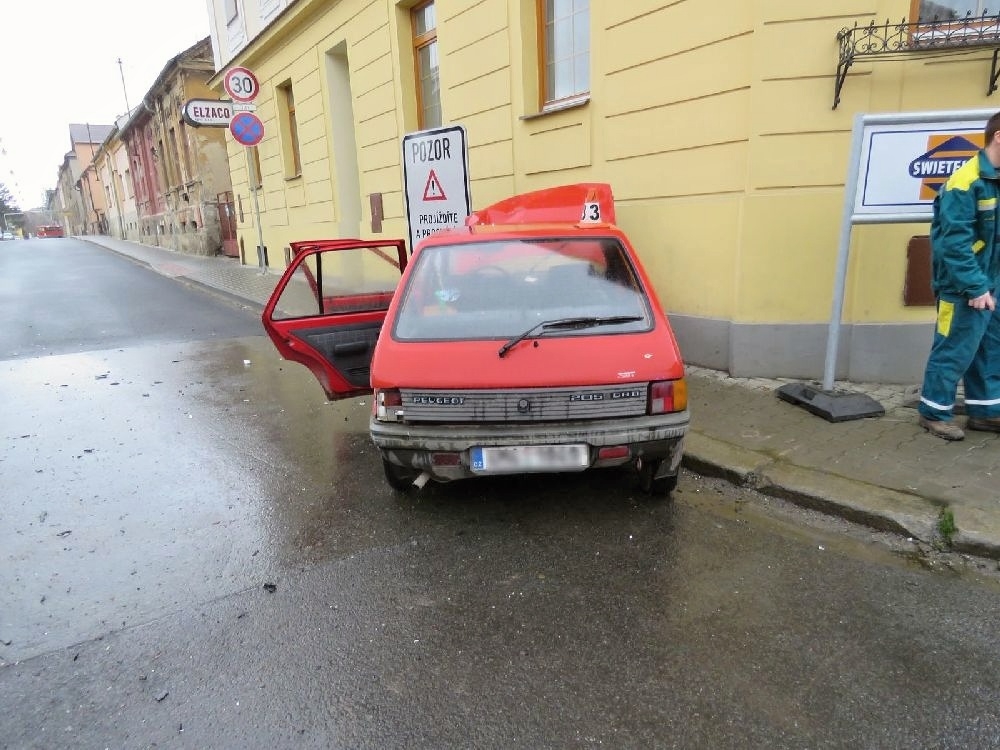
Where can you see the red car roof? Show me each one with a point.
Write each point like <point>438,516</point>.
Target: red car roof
<point>548,211</point>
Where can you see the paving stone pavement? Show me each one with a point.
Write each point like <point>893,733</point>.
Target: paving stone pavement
<point>885,472</point>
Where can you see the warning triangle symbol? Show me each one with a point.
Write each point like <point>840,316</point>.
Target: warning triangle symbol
<point>433,190</point>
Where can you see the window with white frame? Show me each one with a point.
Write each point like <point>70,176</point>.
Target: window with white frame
<point>952,10</point>
<point>564,53</point>
<point>425,55</point>
<point>268,8</point>
<point>236,30</point>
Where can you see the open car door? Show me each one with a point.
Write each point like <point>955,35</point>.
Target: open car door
<point>328,307</point>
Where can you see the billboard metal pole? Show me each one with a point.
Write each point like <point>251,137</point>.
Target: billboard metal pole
<point>843,252</point>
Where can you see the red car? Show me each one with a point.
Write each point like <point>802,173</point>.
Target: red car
<point>529,340</point>
<point>49,230</point>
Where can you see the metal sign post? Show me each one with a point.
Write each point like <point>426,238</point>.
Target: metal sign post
<point>896,165</point>
<point>248,130</point>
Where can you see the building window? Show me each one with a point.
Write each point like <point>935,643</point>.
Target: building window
<point>236,30</point>
<point>186,152</point>
<point>425,54</point>
<point>173,166</point>
<point>565,49</point>
<point>268,8</point>
<point>161,166</point>
<point>289,131</point>
<point>255,178</point>
<point>949,10</point>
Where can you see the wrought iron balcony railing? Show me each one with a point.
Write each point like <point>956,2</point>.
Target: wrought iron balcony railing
<point>948,36</point>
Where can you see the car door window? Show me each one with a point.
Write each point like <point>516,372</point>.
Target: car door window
<point>340,281</point>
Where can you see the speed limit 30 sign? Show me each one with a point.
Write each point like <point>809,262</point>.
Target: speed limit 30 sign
<point>241,84</point>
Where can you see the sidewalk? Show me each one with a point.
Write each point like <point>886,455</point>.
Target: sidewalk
<point>886,473</point>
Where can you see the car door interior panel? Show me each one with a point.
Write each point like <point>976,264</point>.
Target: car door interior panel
<point>348,348</point>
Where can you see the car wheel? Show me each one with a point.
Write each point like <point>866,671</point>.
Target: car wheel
<point>652,484</point>
<point>399,477</point>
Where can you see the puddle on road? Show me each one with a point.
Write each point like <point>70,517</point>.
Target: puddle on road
<point>140,482</point>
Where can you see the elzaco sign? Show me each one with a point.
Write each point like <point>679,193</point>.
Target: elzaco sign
<point>212,113</point>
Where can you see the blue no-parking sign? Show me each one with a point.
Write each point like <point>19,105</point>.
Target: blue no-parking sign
<point>246,128</point>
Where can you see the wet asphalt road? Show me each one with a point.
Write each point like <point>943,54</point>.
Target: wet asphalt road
<point>197,551</point>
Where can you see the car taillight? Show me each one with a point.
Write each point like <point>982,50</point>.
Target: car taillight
<point>667,396</point>
<point>388,405</point>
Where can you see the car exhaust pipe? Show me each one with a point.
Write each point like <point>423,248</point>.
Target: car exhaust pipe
<point>421,480</point>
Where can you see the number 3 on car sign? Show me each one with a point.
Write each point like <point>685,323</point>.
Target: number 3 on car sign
<point>591,212</point>
<point>241,85</point>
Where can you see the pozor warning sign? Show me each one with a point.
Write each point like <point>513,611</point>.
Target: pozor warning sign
<point>436,174</point>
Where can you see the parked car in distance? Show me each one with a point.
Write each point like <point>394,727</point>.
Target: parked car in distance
<point>49,230</point>
<point>7,236</point>
<point>529,340</point>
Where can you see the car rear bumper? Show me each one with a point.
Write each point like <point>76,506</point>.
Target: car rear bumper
<point>443,451</point>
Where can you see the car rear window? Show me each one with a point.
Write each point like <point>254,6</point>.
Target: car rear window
<point>497,289</point>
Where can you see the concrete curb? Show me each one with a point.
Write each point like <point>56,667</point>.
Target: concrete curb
<point>225,294</point>
<point>876,507</point>
<point>232,297</point>
<point>976,533</point>
<point>129,256</point>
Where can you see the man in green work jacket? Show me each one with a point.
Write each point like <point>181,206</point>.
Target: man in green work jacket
<point>965,255</point>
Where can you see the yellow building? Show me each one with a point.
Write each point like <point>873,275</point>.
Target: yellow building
<point>713,122</point>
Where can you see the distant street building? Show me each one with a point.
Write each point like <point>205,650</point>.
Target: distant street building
<point>165,182</point>
<point>79,204</point>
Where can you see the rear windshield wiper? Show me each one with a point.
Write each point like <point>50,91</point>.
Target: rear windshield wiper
<point>568,323</point>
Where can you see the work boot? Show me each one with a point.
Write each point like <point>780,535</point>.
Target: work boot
<point>946,430</point>
<point>984,424</point>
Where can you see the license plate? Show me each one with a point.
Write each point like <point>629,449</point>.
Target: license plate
<point>527,458</point>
